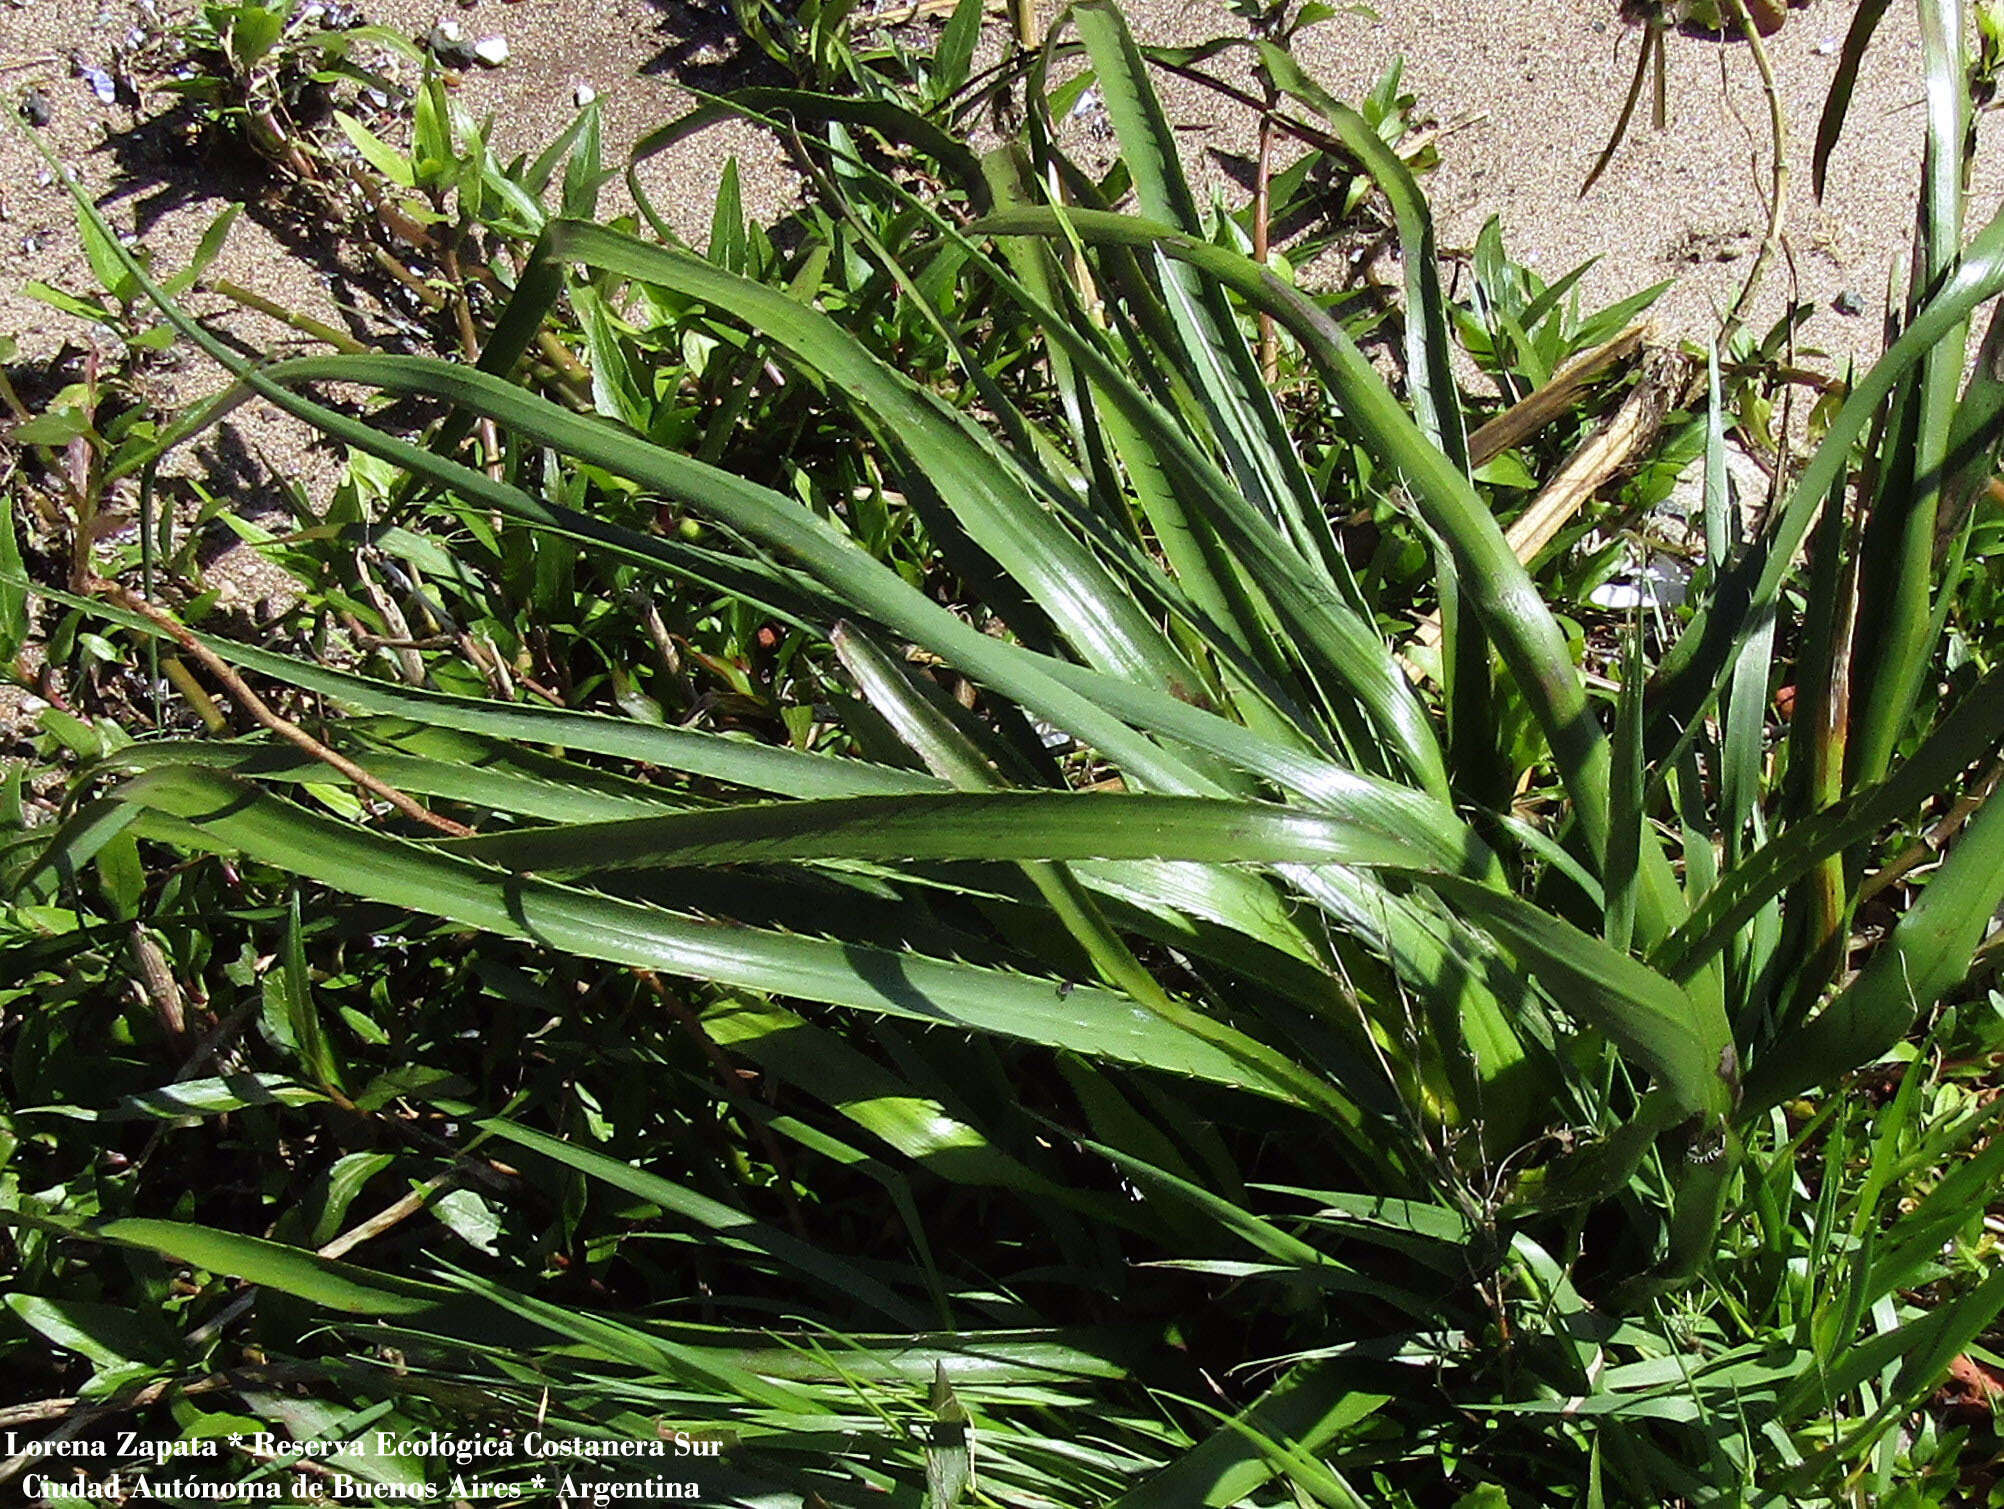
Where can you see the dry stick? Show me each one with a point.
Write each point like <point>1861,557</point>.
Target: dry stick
<point>1777,207</point>
<point>193,693</point>
<point>391,1215</point>
<point>388,1216</point>
<point>1410,147</point>
<point>1525,418</point>
<point>71,1426</point>
<point>1651,41</point>
<point>1406,151</point>
<point>340,340</point>
<point>410,665</point>
<point>1023,19</point>
<point>156,983</point>
<point>1930,844</point>
<point>1634,425</point>
<point>292,733</point>
<point>469,345</point>
<point>39,1410</point>
<point>917,10</point>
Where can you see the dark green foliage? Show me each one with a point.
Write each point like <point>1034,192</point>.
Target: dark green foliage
<point>930,934</point>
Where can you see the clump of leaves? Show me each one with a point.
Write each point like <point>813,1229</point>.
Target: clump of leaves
<point>1130,978</point>
<point>268,74</point>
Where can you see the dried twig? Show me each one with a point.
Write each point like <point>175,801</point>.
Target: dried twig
<point>156,982</point>
<point>1930,844</point>
<point>291,732</point>
<point>1603,456</point>
<point>388,1216</point>
<point>1262,229</point>
<point>1525,418</point>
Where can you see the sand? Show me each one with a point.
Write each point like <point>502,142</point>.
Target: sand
<point>1527,92</point>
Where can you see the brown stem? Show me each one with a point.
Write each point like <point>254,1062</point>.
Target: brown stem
<point>1931,843</point>
<point>156,982</point>
<point>1262,209</point>
<point>469,345</point>
<point>389,1216</point>
<point>410,665</point>
<point>291,732</point>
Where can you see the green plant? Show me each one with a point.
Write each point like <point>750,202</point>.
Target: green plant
<point>1455,1076</point>
<point>267,74</point>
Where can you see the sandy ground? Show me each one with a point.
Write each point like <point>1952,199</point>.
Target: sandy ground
<point>1526,89</point>
<point>1525,92</point>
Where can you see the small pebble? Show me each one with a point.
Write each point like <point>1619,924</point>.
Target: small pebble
<point>35,108</point>
<point>447,42</point>
<point>1848,302</point>
<point>1827,48</point>
<point>491,52</point>
<point>582,95</point>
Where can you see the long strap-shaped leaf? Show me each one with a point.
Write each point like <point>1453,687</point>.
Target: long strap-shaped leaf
<point>1329,623</point>
<point>889,120</point>
<point>1519,622</point>
<point>1471,713</point>
<point>733,1227</point>
<point>1089,704</point>
<point>1968,734</point>
<point>722,757</point>
<point>953,756</point>
<point>1687,1044</point>
<point>218,812</point>
<point>984,487</point>
<point>1693,670</point>
<point>858,579</point>
<point>1071,697</point>
<point>1893,650</point>
<point>972,825</point>
<point>1651,1018</point>
<point>978,480</point>
<point>1248,421</point>
<point>1315,1403</point>
<point>1928,952</point>
<point>481,784</point>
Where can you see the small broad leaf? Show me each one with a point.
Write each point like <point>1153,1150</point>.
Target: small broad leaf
<point>109,1336</point>
<point>379,154</point>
